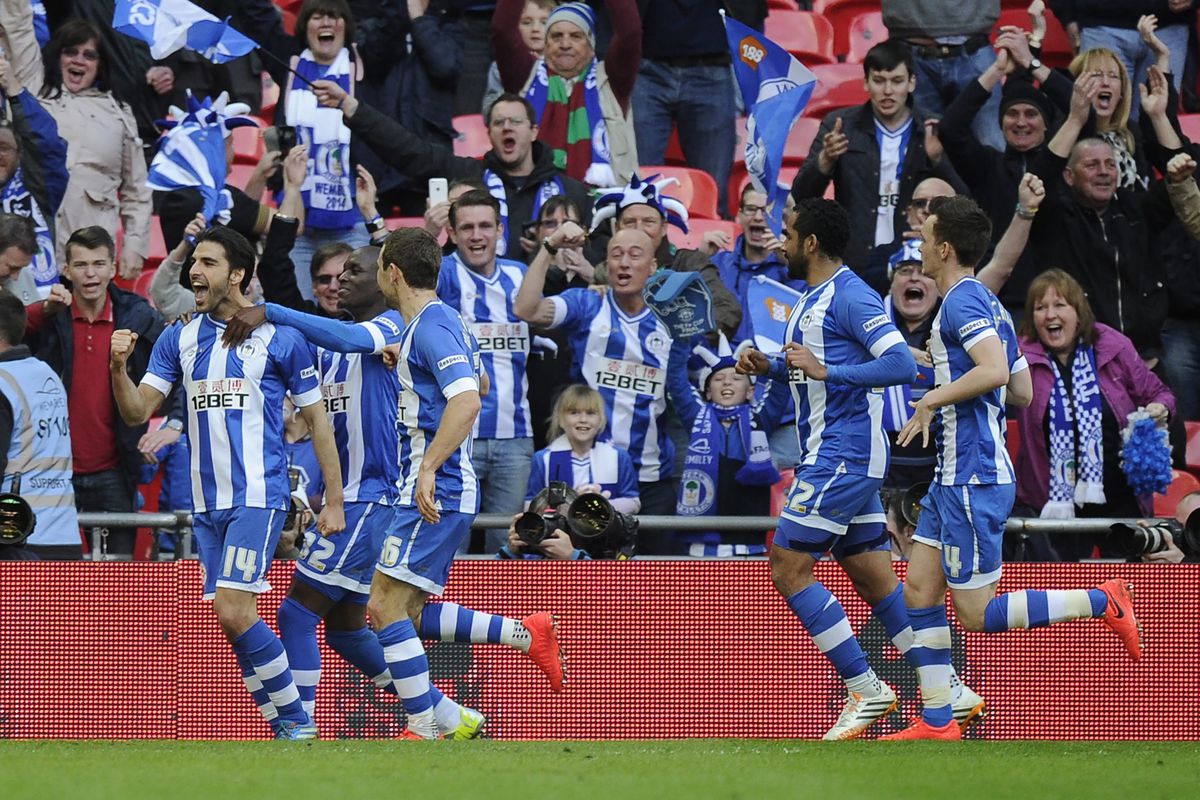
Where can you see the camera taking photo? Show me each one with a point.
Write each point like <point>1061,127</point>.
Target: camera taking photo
<point>590,520</point>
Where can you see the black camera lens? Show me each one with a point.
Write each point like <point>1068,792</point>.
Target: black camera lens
<point>531,528</point>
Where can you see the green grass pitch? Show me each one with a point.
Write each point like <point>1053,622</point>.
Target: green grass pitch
<point>697,769</point>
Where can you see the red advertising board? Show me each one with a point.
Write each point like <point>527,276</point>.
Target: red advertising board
<point>655,650</point>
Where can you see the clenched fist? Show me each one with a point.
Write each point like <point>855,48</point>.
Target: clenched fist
<point>123,342</point>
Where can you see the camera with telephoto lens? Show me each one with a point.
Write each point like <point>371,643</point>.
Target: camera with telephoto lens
<point>299,501</point>
<point>1133,541</point>
<point>17,519</point>
<point>906,503</point>
<point>590,520</point>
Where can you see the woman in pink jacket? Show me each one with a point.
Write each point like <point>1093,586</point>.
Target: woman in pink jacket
<point>1087,379</point>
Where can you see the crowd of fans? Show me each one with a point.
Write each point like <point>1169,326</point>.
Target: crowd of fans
<point>1085,173</point>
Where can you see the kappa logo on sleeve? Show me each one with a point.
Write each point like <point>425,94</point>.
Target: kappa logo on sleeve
<point>874,323</point>
<point>971,327</point>
<point>449,360</point>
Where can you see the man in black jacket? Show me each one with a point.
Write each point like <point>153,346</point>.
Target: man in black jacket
<point>518,171</point>
<point>875,155</point>
<point>1104,236</point>
<point>73,339</point>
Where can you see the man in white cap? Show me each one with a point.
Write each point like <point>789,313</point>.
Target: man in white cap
<point>583,103</point>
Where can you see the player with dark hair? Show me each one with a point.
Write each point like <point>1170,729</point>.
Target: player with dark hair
<point>841,345</point>
<point>961,528</point>
<point>239,467</point>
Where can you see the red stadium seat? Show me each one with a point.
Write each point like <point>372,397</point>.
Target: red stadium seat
<point>697,227</point>
<point>248,144</point>
<point>866,31</point>
<point>142,284</point>
<point>781,5</point>
<point>1190,125</point>
<point>239,175</point>
<point>472,140</point>
<point>696,190</point>
<point>289,19</point>
<point>1012,439</point>
<point>1192,453</point>
<point>807,36</point>
<point>1182,484</point>
<point>838,86</point>
<point>840,14</point>
<point>1056,49</point>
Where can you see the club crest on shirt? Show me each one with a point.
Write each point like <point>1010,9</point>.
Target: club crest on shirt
<point>247,349</point>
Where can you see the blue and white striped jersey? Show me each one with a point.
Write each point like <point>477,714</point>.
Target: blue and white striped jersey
<point>840,426</point>
<point>361,399</point>
<point>235,407</point>
<point>486,306</point>
<point>437,362</point>
<point>970,435</point>
<point>625,359</point>
<point>609,467</point>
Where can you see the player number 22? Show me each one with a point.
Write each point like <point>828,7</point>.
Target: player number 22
<point>240,558</point>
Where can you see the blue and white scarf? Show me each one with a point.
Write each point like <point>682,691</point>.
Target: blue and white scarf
<point>495,187</point>
<point>600,171</point>
<point>17,199</point>
<point>701,468</point>
<point>328,190</point>
<point>1075,433</point>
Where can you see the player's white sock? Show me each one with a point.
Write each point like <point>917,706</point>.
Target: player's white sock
<point>450,622</point>
<point>447,712</point>
<point>867,684</point>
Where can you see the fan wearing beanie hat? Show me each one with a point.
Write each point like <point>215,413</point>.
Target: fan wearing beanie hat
<point>728,469</point>
<point>581,103</point>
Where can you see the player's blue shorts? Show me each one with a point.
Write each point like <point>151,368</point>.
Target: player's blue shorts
<point>967,524</point>
<point>828,511</point>
<point>419,553</point>
<point>236,547</point>
<point>341,566</point>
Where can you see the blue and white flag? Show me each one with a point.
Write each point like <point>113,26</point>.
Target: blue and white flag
<point>171,25</point>
<point>770,303</point>
<point>192,155</point>
<point>775,89</point>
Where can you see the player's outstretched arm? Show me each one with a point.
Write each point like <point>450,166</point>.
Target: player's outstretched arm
<point>990,372</point>
<point>333,515</point>
<point>893,367</point>
<point>457,421</point>
<point>136,404</point>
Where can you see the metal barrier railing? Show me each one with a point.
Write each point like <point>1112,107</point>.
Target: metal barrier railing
<point>98,523</point>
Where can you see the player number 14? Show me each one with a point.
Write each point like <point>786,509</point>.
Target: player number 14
<point>240,558</point>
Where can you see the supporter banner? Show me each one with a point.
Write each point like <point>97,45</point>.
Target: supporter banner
<point>655,650</point>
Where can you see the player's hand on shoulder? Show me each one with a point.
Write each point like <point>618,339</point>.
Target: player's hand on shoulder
<point>121,345</point>
<point>242,324</point>
<point>332,519</point>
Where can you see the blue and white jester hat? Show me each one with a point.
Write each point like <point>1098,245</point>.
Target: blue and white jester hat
<point>207,111</point>
<point>611,201</point>
<point>713,360</point>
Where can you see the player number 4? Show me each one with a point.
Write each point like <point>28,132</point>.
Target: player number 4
<point>240,558</point>
<point>953,561</point>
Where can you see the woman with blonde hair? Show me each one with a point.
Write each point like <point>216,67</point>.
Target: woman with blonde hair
<point>1087,380</point>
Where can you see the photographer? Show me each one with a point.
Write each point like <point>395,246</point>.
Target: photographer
<point>1187,514</point>
<point>561,525</point>
<point>36,462</point>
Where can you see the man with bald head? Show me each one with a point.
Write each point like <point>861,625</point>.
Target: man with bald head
<point>1102,235</point>
<point>620,349</point>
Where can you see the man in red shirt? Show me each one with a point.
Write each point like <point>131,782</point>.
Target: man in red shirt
<point>71,333</point>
